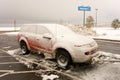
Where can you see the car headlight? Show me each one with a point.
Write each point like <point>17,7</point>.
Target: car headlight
<point>77,45</point>
<point>92,44</point>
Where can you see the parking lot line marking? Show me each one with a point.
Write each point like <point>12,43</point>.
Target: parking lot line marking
<point>10,62</point>
<point>4,74</point>
<point>3,50</point>
<point>5,56</point>
<point>17,72</point>
<point>6,70</point>
<point>66,74</point>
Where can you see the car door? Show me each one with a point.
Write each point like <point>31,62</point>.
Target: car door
<point>30,36</point>
<point>44,37</point>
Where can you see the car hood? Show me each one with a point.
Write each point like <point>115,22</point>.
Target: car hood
<point>75,39</point>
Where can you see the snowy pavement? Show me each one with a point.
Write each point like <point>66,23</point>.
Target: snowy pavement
<point>106,68</point>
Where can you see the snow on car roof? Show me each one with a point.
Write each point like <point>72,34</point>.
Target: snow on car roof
<point>56,28</point>
<point>59,29</point>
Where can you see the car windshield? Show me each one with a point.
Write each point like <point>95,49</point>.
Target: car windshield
<point>63,30</point>
<point>57,29</point>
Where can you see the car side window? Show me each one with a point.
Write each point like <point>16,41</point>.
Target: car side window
<point>32,29</point>
<point>29,28</point>
<point>42,30</point>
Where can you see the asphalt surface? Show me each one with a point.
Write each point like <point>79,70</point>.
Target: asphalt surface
<point>109,46</point>
<point>8,64</point>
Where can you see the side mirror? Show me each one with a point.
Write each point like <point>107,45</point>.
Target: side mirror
<point>47,36</point>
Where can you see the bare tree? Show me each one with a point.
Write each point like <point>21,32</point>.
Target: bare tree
<point>115,24</point>
<point>89,22</point>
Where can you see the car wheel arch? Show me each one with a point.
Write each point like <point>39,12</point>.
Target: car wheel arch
<point>59,49</point>
<point>25,43</point>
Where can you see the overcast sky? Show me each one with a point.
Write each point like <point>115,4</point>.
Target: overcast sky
<point>57,10</point>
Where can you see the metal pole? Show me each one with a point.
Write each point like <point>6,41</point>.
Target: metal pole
<point>14,24</point>
<point>96,17</point>
<point>84,18</point>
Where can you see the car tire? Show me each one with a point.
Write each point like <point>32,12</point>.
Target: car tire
<point>63,59</point>
<point>24,48</point>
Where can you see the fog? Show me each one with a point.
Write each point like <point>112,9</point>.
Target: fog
<point>57,10</point>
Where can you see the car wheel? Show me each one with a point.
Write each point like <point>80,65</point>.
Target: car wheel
<point>63,59</point>
<point>24,48</point>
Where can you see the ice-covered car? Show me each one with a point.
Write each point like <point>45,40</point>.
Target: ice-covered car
<point>58,41</point>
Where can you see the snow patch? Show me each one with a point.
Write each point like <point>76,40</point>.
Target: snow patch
<point>12,52</point>
<point>107,33</point>
<point>112,55</point>
<point>9,28</point>
<point>11,33</point>
<point>49,77</point>
<point>105,57</point>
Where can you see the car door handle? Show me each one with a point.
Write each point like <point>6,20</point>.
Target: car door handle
<point>37,39</point>
<point>46,37</point>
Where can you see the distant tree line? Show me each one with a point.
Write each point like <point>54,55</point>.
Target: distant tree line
<point>90,23</point>
<point>115,24</point>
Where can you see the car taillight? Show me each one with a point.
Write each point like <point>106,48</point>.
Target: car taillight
<point>90,52</point>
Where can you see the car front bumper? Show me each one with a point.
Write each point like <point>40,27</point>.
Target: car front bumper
<point>80,56</point>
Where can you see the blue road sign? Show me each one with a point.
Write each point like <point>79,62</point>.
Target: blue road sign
<point>84,8</point>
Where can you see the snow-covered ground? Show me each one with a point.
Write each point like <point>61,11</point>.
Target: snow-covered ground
<point>107,33</point>
<point>103,32</point>
<point>10,33</point>
<point>9,28</point>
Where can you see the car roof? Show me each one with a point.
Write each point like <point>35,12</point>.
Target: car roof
<point>53,27</point>
<point>47,25</point>
<point>50,26</point>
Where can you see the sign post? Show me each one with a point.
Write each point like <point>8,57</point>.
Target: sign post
<point>84,8</point>
<point>15,24</point>
<point>84,18</point>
